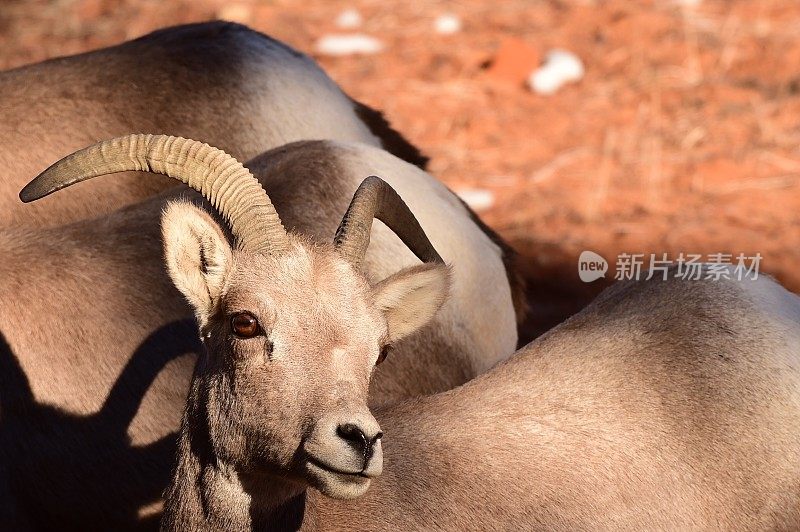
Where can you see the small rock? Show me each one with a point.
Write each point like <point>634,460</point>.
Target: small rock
<point>560,67</point>
<point>513,61</point>
<point>479,199</point>
<point>90,9</point>
<point>447,24</point>
<point>349,19</point>
<point>355,43</point>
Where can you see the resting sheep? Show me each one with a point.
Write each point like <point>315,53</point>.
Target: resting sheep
<point>219,82</point>
<point>80,299</point>
<point>666,404</point>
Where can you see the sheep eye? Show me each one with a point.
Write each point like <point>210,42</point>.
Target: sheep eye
<point>383,354</point>
<point>245,325</point>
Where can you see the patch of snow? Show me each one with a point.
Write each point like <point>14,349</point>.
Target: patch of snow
<point>349,44</point>
<point>447,24</point>
<point>560,67</point>
<point>349,19</point>
<point>479,199</point>
<point>234,12</point>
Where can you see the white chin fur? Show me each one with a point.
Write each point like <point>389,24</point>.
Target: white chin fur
<point>336,485</point>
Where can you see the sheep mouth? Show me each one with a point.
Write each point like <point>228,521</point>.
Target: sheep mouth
<point>315,462</point>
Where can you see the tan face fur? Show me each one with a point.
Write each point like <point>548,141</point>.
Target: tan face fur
<point>287,395</point>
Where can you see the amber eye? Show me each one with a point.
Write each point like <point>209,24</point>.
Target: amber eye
<point>383,354</point>
<point>245,325</point>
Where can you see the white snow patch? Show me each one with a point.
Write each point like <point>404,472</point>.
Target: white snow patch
<point>235,12</point>
<point>349,44</point>
<point>447,24</point>
<point>349,19</point>
<point>560,67</point>
<point>478,199</point>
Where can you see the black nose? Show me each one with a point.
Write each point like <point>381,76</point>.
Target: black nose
<point>356,437</point>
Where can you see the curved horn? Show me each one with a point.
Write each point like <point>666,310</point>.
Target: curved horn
<point>376,199</point>
<point>221,179</point>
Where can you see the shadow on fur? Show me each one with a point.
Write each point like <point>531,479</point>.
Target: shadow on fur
<point>39,441</point>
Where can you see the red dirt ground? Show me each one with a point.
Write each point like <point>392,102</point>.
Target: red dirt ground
<point>682,136</point>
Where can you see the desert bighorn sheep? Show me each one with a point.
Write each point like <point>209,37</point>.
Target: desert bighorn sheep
<point>78,300</point>
<point>218,82</point>
<point>664,405</point>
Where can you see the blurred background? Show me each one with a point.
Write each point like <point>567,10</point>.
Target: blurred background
<point>658,127</point>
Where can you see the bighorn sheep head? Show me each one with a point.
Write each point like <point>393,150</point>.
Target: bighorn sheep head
<point>292,330</point>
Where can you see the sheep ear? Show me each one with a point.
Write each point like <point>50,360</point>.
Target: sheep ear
<point>197,253</point>
<point>411,297</point>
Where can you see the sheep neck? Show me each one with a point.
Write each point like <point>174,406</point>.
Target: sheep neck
<point>207,494</point>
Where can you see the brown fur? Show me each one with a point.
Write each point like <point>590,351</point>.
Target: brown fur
<point>397,374</point>
<point>391,140</point>
<point>217,82</point>
<point>79,300</point>
<point>665,405</point>
<point>516,278</point>
<point>397,145</point>
<point>320,322</point>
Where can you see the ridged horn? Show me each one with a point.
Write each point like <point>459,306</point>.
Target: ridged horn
<point>376,199</point>
<point>222,180</point>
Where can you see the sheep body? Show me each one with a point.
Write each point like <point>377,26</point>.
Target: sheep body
<point>85,301</point>
<point>219,82</point>
<point>668,405</point>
